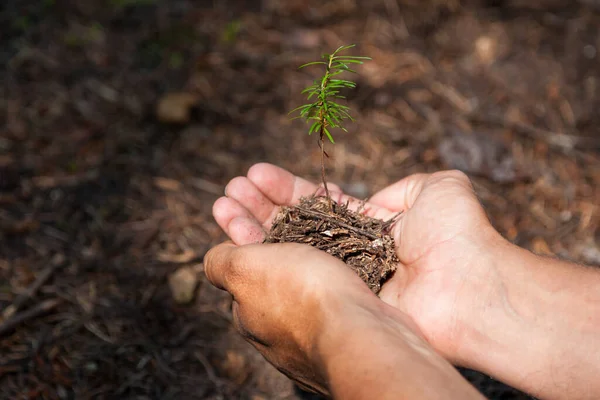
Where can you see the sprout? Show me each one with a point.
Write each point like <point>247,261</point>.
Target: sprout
<point>324,114</point>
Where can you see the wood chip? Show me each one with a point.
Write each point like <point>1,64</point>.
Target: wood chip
<point>183,284</point>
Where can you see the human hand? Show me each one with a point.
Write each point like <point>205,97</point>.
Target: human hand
<point>445,243</point>
<point>291,302</point>
<point>442,242</point>
<point>313,318</point>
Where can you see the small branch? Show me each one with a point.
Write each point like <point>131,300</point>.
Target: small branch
<point>387,224</point>
<point>318,214</point>
<point>42,278</point>
<point>34,312</point>
<point>322,145</point>
<point>210,371</point>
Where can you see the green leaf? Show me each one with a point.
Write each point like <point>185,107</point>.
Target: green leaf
<point>312,94</point>
<point>349,61</point>
<point>310,88</point>
<point>342,48</point>
<point>344,83</point>
<point>313,128</point>
<point>330,121</point>
<point>312,63</point>
<point>308,112</point>
<point>298,109</point>
<point>328,135</point>
<point>334,121</point>
<point>345,69</point>
<point>352,58</point>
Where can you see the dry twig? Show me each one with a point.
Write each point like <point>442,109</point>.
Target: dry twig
<point>34,312</point>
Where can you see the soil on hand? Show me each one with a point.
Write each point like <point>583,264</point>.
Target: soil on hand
<point>362,242</point>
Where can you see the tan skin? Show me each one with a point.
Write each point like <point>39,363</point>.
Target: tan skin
<point>462,292</point>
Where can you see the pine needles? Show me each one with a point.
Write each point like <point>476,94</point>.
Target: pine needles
<point>324,113</point>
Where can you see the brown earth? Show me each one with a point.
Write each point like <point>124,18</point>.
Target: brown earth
<point>362,242</point>
<point>122,121</point>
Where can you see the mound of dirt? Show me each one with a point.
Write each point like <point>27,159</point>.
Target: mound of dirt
<point>362,242</point>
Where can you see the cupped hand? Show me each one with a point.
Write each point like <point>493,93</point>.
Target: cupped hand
<point>290,300</point>
<point>443,242</point>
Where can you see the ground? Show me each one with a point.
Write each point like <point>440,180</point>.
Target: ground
<point>122,121</point>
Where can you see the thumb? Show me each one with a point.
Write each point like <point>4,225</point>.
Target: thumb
<point>221,266</point>
<point>401,195</point>
<point>234,268</point>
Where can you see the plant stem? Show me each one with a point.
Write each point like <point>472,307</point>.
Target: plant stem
<point>323,124</point>
<point>322,145</point>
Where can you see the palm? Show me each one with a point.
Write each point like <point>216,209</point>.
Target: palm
<point>437,239</point>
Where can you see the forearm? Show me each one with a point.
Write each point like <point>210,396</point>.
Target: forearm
<point>541,332</point>
<point>381,358</point>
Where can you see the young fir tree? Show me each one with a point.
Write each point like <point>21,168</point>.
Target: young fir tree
<point>324,113</point>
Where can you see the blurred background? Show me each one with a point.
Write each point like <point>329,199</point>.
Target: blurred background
<point>122,120</point>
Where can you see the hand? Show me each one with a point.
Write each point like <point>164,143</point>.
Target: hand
<point>288,299</point>
<point>442,241</point>
<point>313,318</point>
<point>445,243</point>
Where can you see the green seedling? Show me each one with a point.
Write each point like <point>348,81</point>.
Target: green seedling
<point>325,114</point>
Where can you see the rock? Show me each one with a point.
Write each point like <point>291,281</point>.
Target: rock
<point>183,284</point>
<point>492,46</point>
<point>175,107</point>
<point>485,48</point>
<point>235,367</point>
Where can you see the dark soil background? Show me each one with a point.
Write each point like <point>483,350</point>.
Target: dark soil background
<point>122,120</point>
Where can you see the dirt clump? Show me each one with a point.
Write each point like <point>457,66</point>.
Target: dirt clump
<point>362,242</point>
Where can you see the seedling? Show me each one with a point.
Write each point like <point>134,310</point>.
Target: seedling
<point>362,242</point>
<point>325,114</point>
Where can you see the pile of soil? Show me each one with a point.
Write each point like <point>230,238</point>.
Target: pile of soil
<point>362,242</point>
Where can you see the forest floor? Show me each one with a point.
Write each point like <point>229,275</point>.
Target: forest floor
<point>122,120</point>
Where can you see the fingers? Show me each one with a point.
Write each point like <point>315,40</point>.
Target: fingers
<point>284,188</point>
<point>252,199</point>
<point>243,231</point>
<point>219,265</point>
<point>266,188</point>
<point>237,222</point>
<point>232,267</point>
<point>253,202</point>
<point>281,187</point>
<point>402,195</point>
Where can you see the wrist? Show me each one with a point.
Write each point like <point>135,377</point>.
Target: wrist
<point>379,353</point>
<point>540,314</point>
<point>479,287</point>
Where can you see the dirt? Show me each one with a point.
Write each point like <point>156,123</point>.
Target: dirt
<point>122,121</point>
<point>362,242</point>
